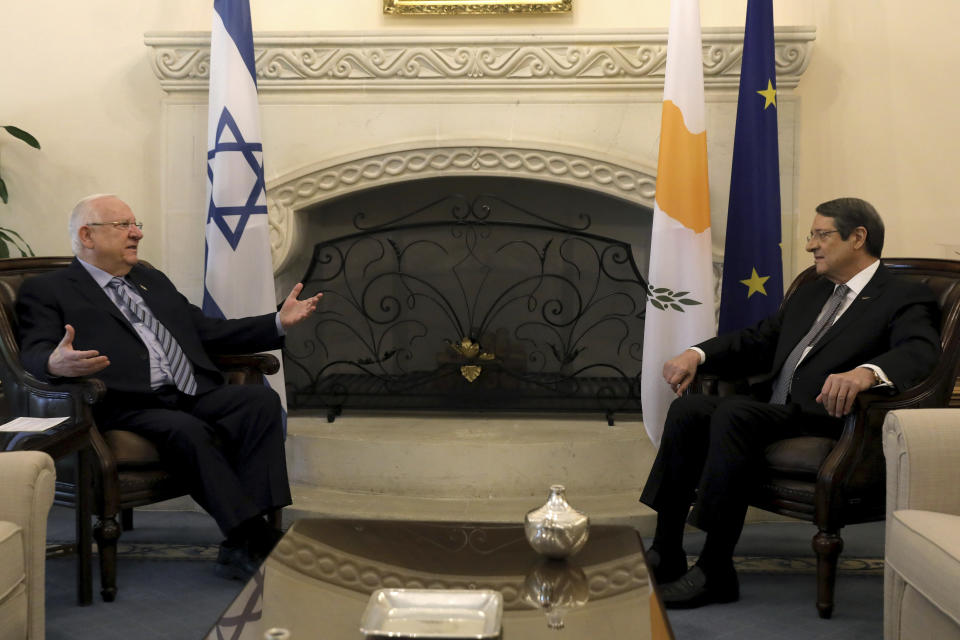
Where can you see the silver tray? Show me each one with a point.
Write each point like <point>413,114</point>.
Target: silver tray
<point>433,613</point>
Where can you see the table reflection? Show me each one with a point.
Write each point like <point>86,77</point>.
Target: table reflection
<point>319,578</point>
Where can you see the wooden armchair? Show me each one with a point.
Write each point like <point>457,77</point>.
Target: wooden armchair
<point>833,483</point>
<point>127,472</point>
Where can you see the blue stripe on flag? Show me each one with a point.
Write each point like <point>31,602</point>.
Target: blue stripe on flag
<point>752,265</point>
<point>235,15</point>
<point>210,307</point>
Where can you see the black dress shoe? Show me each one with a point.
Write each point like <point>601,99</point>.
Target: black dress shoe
<point>265,540</point>
<point>666,567</point>
<point>236,562</point>
<point>696,589</point>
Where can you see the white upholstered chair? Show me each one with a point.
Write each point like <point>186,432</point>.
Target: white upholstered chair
<point>26,494</point>
<point>921,590</point>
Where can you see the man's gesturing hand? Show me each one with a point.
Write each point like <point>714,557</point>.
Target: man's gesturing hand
<point>293,311</point>
<point>67,362</point>
<point>680,370</point>
<point>840,389</point>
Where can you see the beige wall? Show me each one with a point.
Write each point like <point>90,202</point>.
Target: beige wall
<point>878,118</point>
<point>875,104</point>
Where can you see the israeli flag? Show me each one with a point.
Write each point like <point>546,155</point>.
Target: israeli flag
<point>238,273</point>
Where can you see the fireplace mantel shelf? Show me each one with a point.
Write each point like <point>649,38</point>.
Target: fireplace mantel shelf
<point>409,61</point>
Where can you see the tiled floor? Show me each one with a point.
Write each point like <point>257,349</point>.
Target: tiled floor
<point>164,594</point>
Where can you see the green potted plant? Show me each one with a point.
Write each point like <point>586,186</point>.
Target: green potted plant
<point>8,237</point>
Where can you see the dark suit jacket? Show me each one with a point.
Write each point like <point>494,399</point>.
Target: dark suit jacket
<point>893,324</point>
<point>71,296</point>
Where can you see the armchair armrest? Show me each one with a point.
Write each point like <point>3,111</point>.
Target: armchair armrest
<point>922,449</point>
<point>247,369</point>
<point>29,396</point>
<point>712,384</point>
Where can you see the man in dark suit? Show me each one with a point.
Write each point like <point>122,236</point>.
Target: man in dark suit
<point>854,328</point>
<point>110,316</point>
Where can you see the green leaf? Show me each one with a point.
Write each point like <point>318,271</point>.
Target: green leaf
<point>677,307</point>
<point>19,133</point>
<point>4,250</point>
<point>661,290</point>
<point>8,233</point>
<point>681,293</point>
<point>688,301</point>
<point>657,304</point>
<point>9,236</point>
<point>3,191</point>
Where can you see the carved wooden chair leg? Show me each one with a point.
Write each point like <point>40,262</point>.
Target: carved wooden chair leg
<point>827,545</point>
<point>106,532</point>
<point>126,519</point>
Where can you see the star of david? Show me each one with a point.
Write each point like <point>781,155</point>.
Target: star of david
<point>219,212</point>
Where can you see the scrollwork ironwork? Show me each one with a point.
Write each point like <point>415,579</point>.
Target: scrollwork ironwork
<point>470,303</point>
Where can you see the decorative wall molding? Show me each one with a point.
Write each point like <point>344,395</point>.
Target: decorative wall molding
<point>417,61</point>
<point>289,194</point>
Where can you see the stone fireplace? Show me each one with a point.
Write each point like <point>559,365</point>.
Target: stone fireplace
<point>347,113</point>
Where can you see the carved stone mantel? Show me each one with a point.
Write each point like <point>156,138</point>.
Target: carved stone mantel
<point>627,60</point>
<point>332,178</point>
<point>574,107</point>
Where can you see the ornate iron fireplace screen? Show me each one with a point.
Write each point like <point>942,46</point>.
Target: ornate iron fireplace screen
<point>470,304</point>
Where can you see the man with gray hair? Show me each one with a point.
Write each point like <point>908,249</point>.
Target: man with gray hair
<point>111,316</point>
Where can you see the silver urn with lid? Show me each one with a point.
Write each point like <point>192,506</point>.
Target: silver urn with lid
<point>556,529</point>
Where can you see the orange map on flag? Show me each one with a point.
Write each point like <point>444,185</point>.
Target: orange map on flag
<point>682,184</point>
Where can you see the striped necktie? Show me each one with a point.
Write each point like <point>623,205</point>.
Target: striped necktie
<point>781,387</point>
<point>180,366</point>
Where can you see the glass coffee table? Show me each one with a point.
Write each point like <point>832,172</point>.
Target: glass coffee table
<point>319,578</point>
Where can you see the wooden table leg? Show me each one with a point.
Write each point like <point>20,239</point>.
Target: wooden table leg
<point>84,533</point>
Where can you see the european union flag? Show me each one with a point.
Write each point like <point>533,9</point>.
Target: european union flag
<point>752,265</point>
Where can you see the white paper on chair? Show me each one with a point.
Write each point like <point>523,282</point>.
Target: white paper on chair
<point>31,424</point>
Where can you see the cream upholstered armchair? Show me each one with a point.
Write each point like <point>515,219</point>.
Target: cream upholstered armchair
<point>27,480</point>
<point>921,587</point>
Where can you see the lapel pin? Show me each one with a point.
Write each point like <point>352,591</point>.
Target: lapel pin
<point>143,287</point>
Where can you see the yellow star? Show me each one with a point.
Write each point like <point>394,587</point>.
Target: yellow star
<point>770,94</point>
<point>755,283</point>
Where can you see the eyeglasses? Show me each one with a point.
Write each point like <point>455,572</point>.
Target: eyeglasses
<point>821,235</point>
<point>123,226</point>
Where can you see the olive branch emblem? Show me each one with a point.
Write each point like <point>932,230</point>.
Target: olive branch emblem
<point>664,299</point>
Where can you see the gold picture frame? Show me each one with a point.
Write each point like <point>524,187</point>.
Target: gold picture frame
<point>451,7</point>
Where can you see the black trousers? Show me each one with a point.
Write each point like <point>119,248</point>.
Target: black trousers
<point>226,445</point>
<point>711,455</point>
